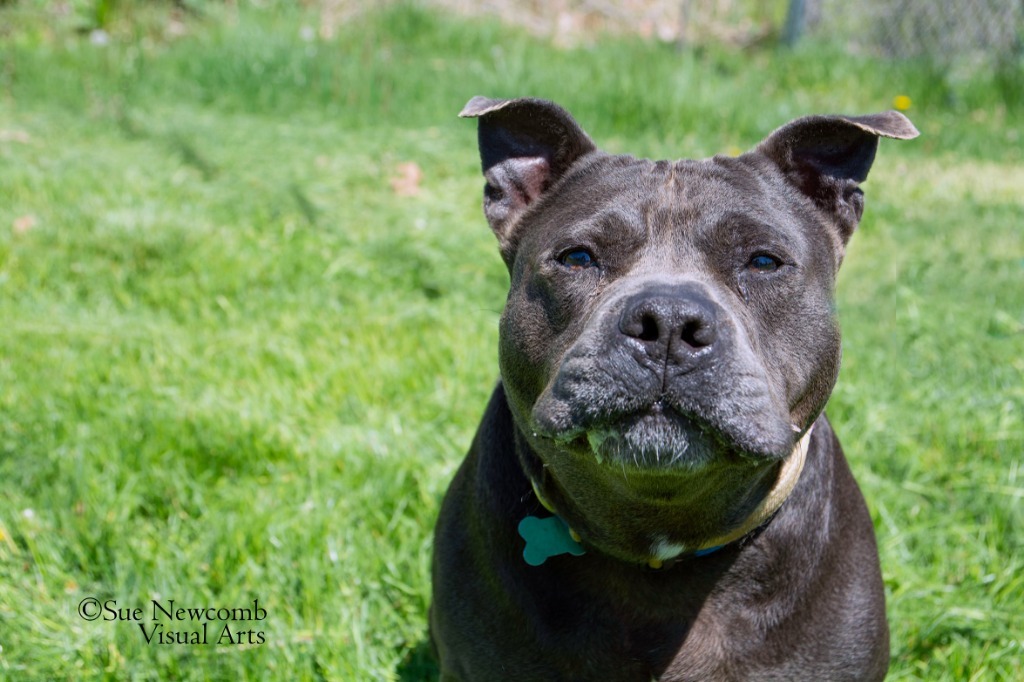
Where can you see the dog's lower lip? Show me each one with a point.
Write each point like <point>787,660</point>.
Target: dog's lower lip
<point>587,435</point>
<point>656,438</point>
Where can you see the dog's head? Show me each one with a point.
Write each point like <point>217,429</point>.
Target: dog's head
<point>669,318</point>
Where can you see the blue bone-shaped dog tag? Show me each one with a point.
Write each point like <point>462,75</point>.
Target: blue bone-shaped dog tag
<point>546,538</point>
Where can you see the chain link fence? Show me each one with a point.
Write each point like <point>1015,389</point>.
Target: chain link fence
<point>941,30</point>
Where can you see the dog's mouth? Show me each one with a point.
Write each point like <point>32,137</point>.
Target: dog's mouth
<point>657,438</point>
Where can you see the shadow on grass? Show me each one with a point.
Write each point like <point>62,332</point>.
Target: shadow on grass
<point>419,664</point>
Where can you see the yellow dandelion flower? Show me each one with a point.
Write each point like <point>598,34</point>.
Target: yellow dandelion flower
<point>901,102</point>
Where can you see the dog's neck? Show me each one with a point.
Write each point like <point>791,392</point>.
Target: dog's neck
<point>785,481</point>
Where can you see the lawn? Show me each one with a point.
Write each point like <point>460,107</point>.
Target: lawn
<point>242,351</point>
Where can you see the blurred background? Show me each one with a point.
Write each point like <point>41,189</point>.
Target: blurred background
<point>249,304</point>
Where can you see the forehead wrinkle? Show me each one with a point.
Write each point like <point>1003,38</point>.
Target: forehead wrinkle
<point>617,223</point>
<point>722,205</point>
<point>667,213</point>
<point>652,209</point>
<point>715,196</point>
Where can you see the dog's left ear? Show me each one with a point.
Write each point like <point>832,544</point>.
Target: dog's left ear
<point>827,157</point>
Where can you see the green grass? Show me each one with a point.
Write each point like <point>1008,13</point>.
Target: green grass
<point>234,365</point>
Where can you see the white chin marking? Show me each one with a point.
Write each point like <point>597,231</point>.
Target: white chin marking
<point>665,550</point>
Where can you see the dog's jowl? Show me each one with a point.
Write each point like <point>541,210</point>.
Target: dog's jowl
<point>654,491</point>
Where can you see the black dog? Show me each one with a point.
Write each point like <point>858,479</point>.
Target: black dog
<point>654,492</point>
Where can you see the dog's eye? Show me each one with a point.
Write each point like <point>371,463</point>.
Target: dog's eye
<point>762,262</point>
<point>493,193</point>
<point>577,259</point>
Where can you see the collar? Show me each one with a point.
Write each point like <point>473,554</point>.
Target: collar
<point>553,536</point>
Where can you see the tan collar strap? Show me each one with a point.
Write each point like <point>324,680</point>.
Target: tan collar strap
<point>789,474</point>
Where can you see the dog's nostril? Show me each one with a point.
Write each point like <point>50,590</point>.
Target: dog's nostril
<point>648,328</point>
<point>696,334</point>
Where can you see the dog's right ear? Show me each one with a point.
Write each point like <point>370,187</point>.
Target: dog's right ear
<point>526,145</point>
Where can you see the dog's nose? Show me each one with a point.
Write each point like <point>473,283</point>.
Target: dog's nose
<point>678,321</point>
